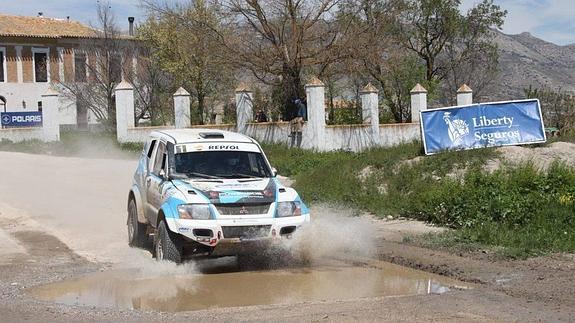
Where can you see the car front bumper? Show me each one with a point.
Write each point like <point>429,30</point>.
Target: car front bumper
<point>233,231</point>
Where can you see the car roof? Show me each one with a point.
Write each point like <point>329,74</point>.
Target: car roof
<point>178,136</point>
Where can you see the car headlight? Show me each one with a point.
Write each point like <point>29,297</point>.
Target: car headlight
<point>285,209</point>
<point>194,211</point>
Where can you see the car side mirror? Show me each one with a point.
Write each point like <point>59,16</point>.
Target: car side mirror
<point>274,172</point>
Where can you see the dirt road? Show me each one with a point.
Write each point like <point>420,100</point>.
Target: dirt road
<point>64,257</point>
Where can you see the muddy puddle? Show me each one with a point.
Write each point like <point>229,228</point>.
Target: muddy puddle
<point>227,286</point>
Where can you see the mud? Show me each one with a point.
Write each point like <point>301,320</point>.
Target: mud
<point>232,287</point>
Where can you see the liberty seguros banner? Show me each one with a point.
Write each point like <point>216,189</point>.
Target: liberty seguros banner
<point>482,125</point>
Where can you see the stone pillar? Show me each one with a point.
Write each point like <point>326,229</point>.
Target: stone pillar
<point>19,69</point>
<point>182,109</point>
<point>244,108</point>
<point>370,110</point>
<point>314,133</point>
<point>125,114</point>
<point>464,95</point>
<point>418,101</point>
<point>50,115</point>
<point>219,118</point>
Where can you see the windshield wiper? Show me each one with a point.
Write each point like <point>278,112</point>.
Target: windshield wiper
<point>201,175</point>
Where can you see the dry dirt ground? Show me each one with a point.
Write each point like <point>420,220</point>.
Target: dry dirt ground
<point>62,218</point>
<point>541,157</point>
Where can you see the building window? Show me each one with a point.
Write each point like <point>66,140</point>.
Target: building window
<point>41,64</point>
<point>2,64</point>
<point>79,67</point>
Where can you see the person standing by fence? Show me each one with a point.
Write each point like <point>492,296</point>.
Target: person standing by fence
<point>297,124</point>
<point>261,116</point>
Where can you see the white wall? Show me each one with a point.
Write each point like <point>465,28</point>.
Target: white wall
<point>21,134</point>
<point>397,133</point>
<point>269,132</point>
<point>31,93</point>
<point>141,134</point>
<point>344,137</point>
<point>15,93</point>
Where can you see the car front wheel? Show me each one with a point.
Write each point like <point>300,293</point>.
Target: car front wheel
<point>167,245</point>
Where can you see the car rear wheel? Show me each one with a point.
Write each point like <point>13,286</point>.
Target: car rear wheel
<point>137,236</point>
<point>167,245</point>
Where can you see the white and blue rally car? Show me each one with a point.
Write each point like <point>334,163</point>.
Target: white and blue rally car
<point>201,192</point>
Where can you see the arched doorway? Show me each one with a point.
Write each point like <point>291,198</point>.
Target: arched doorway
<point>2,104</point>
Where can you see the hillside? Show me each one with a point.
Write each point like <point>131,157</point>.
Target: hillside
<point>527,60</point>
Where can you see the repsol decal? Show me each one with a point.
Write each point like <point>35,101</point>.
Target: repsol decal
<point>223,147</point>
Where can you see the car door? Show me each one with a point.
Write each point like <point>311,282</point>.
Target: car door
<point>143,172</point>
<point>154,181</point>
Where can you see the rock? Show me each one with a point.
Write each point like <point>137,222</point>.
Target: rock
<point>365,173</point>
<point>382,189</point>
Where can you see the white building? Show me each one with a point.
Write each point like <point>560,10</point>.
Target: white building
<point>38,51</point>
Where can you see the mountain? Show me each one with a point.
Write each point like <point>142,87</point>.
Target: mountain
<point>527,60</point>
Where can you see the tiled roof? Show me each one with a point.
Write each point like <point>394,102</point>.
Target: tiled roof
<point>22,26</point>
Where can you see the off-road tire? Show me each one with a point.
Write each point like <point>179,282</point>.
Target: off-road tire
<point>167,245</point>
<point>137,236</point>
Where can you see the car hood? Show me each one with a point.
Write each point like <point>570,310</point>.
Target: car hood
<point>230,191</point>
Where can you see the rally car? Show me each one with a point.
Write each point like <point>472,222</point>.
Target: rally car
<point>206,193</point>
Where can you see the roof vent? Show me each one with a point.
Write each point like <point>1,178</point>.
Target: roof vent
<point>211,135</point>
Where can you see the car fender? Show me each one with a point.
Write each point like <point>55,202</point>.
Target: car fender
<point>291,195</point>
<point>170,211</point>
<point>139,204</point>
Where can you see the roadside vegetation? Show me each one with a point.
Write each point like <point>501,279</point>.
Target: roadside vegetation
<point>517,211</point>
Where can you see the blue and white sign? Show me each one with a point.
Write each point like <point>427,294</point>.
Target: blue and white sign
<point>21,119</point>
<point>482,125</point>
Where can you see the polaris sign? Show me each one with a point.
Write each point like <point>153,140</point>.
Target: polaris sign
<point>482,125</point>
<point>21,119</point>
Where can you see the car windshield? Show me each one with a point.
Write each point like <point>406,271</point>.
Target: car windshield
<point>221,164</point>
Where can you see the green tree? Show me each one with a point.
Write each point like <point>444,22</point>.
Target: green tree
<point>185,41</point>
<point>379,56</point>
<point>280,40</point>
<point>400,43</point>
<point>403,73</point>
<point>472,57</point>
<point>557,108</point>
<point>432,29</point>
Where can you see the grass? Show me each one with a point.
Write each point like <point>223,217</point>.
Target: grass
<point>333,176</point>
<point>519,211</point>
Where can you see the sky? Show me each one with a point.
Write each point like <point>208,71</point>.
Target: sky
<point>550,20</point>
